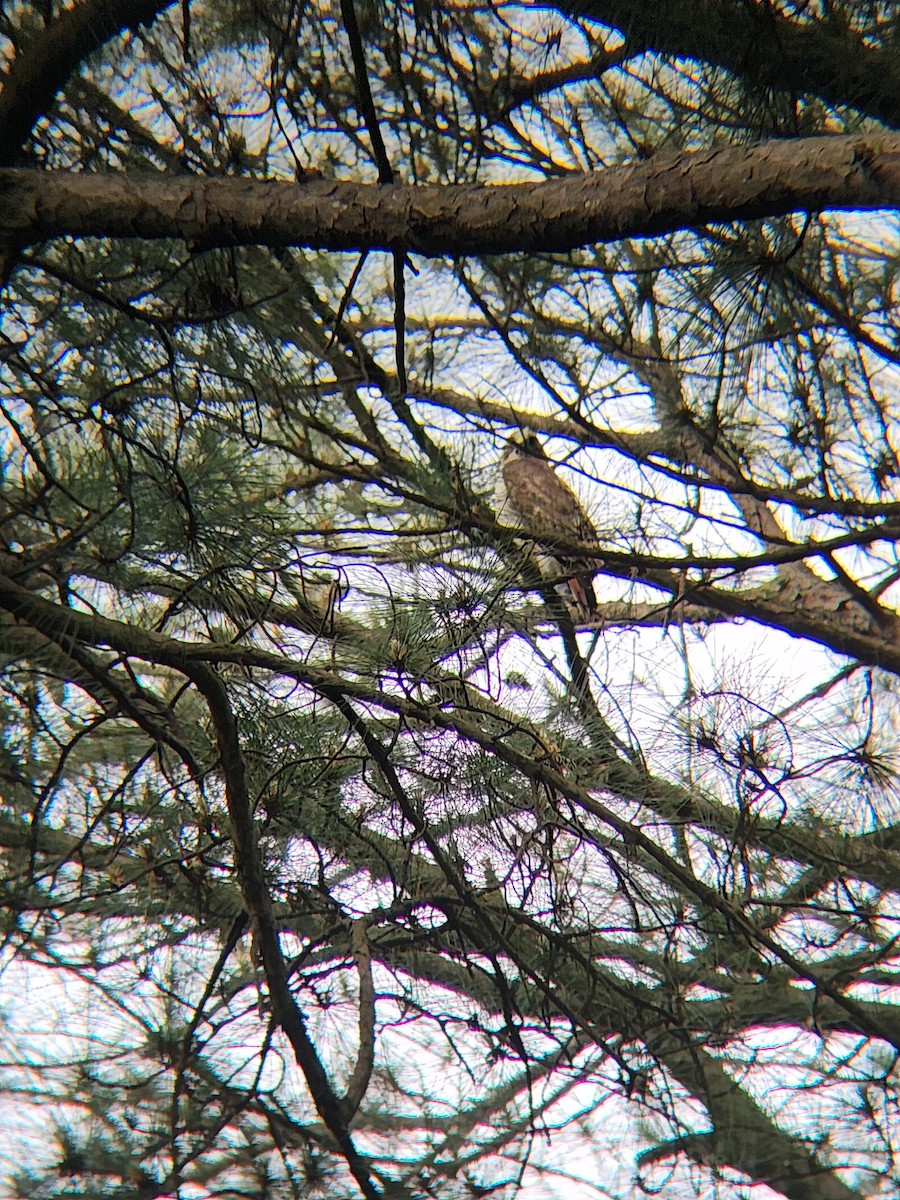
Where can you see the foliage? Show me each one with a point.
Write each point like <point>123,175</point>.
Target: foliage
<point>336,858</point>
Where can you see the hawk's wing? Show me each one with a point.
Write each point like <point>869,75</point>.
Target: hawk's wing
<point>536,498</point>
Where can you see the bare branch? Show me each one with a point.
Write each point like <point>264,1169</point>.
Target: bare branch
<point>639,200</point>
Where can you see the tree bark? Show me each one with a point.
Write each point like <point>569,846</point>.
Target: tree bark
<point>757,44</point>
<point>35,76</point>
<point>732,183</point>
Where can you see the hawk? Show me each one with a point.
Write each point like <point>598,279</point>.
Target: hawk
<point>534,497</point>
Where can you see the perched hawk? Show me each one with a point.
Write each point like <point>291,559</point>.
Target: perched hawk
<point>532,495</point>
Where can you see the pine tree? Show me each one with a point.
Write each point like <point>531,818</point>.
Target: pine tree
<point>340,854</point>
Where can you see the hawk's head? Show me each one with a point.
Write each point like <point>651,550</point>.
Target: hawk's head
<point>523,444</point>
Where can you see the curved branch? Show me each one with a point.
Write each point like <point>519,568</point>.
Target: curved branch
<point>753,41</point>
<point>36,75</point>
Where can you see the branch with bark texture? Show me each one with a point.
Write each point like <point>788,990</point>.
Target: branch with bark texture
<point>757,43</point>
<point>731,183</point>
<point>42,69</point>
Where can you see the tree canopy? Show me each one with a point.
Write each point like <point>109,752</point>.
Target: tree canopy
<point>341,855</point>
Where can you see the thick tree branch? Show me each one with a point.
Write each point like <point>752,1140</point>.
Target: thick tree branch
<point>745,1136</point>
<point>726,184</point>
<point>36,75</point>
<point>825,58</point>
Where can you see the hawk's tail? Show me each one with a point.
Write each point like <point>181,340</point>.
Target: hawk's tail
<point>582,590</point>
